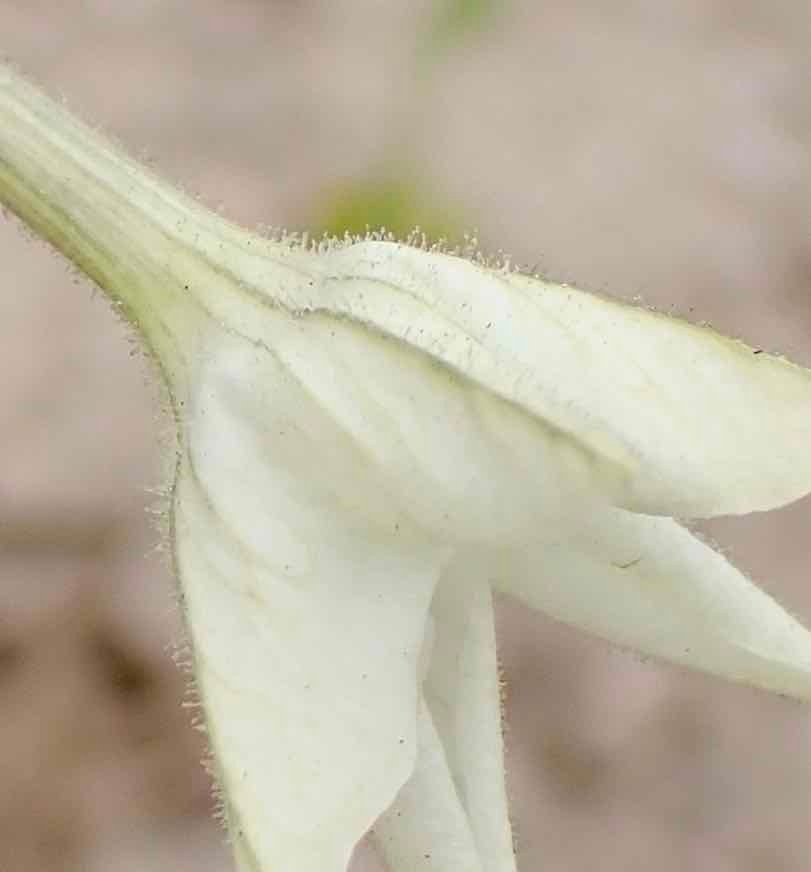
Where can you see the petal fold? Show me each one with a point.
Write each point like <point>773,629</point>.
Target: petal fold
<point>439,447</point>
<point>462,688</point>
<point>426,827</point>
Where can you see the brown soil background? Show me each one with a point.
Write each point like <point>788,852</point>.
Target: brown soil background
<point>655,148</point>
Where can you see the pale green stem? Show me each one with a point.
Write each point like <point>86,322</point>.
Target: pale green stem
<point>161,257</point>
<point>90,202</point>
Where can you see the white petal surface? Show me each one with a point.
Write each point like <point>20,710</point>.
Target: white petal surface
<point>703,425</point>
<point>462,689</point>
<point>648,583</point>
<point>307,621</point>
<point>439,447</point>
<point>426,828</point>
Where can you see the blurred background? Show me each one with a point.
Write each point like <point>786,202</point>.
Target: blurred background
<point>657,149</point>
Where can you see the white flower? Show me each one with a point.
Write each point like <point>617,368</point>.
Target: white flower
<point>373,437</point>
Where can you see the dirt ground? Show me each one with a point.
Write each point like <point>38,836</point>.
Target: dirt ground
<point>657,148</point>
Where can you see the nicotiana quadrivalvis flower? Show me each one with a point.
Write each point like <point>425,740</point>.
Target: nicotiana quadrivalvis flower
<point>372,437</point>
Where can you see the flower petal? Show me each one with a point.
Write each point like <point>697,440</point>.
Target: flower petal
<point>462,689</point>
<point>426,827</point>
<point>306,621</point>
<point>650,584</point>
<point>703,425</point>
